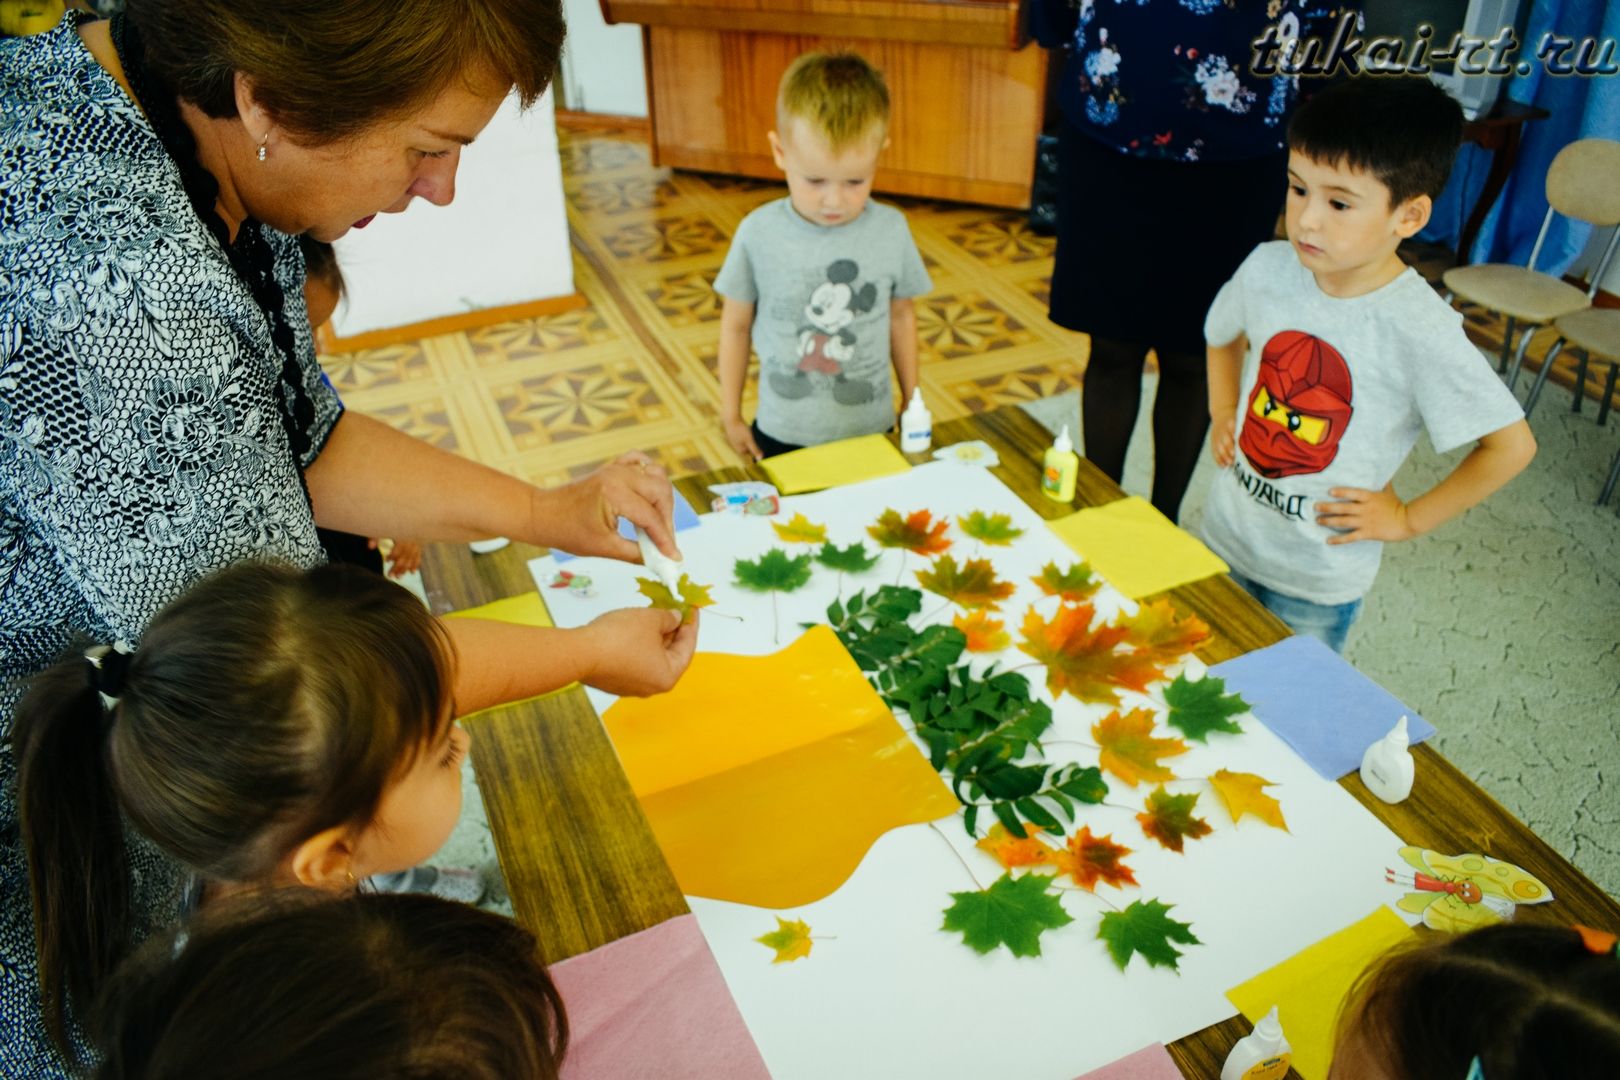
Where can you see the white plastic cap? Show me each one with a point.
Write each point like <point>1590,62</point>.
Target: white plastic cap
<point>1398,735</point>
<point>1269,1027</point>
<point>915,405</point>
<point>1062,444</point>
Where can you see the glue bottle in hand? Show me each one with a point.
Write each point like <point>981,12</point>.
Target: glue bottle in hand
<point>1263,1054</point>
<point>916,426</point>
<point>1060,469</point>
<point>1387,767</point>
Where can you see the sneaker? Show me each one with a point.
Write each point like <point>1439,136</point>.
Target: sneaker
<point>463,883</point>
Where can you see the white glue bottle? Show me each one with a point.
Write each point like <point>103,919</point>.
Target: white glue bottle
<point>916,425</point>
<point>1060,468</point>
<point>1263,1054</point>
<point>1387,767</point>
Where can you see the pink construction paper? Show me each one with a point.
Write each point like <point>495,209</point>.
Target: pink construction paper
<point>654,1006</point>
<point>1149,1063</point>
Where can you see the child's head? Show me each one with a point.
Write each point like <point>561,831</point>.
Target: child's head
<point>1366,160</point>
<point>832,122</point>
<point>324,286</point>
<point>322,989</point>
<point>275,726</point>
<point>1531,1002</point>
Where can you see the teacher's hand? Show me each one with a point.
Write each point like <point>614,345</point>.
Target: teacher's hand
<point>582,517</point>
<point>639,652</point>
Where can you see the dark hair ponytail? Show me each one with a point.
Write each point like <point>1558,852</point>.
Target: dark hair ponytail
<point>264,706</point>
<point>304,985</point>
<point>76,856</point>
<point>1528,1000</point>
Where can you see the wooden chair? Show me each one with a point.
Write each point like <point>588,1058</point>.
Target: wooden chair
<point>1580,184</point>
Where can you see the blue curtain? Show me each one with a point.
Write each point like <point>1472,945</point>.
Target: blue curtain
<point>1581,107</point>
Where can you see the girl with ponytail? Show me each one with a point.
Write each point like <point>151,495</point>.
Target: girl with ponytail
<point>275,727</point>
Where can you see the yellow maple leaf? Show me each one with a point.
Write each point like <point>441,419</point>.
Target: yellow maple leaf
<point>1012,851</point>
<point>1130,751</point>
<point>1157,628</point>
<point>984,634</point>
<point>790,939</point>
<point>801,530</point>
<point>1242,795</point>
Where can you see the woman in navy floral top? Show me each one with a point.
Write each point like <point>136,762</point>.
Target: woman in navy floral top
<point>1171,168</point>
<point>161,411</point>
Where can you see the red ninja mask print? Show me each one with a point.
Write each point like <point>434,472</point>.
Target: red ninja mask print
<point>1299,408</point>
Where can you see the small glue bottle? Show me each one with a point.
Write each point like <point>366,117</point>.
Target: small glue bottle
<point>916,425</point>
<point>1263,1054</point>
<point>1060,469</point>
<point>1387,767</point>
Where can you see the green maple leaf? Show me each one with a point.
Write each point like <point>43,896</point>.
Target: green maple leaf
<point>687,598</point>
<point>994,529</point>
<point>1073,585</point>
<point>1013,912</point>
<point>1145,928</point>
<point>1169,819</point>
<point>774,571</point>
<point>854,559</point>
<point>1198,708</point>
<point>972,585</point>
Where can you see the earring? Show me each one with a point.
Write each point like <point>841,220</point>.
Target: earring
<point>353,884</point>
<point>263,153</point>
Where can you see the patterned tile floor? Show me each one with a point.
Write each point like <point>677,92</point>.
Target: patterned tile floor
<point>552,397</point>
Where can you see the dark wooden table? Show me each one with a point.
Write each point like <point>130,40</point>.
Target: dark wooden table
<point>583,868</point>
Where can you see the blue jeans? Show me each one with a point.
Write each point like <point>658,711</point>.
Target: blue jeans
<point>1328,622</point>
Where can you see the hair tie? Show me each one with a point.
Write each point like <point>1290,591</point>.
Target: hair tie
<point>108,664</point>
<point>1598,942</point>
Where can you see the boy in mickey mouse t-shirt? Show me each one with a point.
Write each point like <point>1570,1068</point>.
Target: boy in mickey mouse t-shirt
<point>1327,355</point>
<point>822,281</point>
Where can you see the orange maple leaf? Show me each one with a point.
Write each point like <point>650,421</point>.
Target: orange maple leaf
<point>1242,795</point>
<point>1156,628</point>
<point>973,585</point>
<point>917,532</point>
<point>1084,662</point>
<point>1088,859</point>
<point>1130,751</point>
<point>984,634</point>
<point>1012,851</point>
<point>1169,819</point>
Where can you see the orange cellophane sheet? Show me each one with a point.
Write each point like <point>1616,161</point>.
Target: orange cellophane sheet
<point>767,778</point>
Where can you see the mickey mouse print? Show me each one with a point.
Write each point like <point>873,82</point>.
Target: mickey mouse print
<point>827,344</point>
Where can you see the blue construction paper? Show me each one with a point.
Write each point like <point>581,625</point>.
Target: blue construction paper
<point>1317,703</point>
<point>685,518</point>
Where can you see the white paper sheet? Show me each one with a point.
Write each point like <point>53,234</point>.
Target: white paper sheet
<point>886,993</point>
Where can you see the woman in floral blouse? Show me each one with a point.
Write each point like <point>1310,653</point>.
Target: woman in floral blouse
<point>1171,167</point>
<point>161,411</point>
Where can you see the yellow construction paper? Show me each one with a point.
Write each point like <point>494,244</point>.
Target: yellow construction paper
<point>525,609</point>
<point>767,778</point>
<point>1138,549</point>
<point>1309,987</point>
<point>847,461</point>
